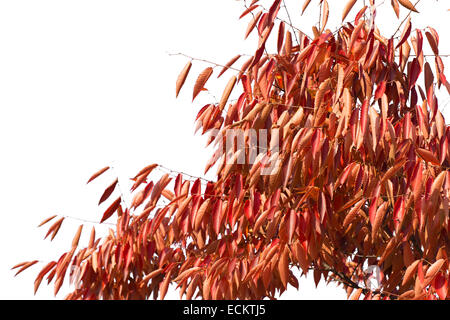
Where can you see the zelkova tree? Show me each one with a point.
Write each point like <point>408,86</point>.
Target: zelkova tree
<point>332,159</point>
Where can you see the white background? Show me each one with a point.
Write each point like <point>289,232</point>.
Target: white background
<point>89,83</point>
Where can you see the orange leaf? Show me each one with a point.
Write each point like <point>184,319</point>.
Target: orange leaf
<point>182,77</point>
<point>396,7</point>
<point>54,228</point>
<point>201,81</point>
<point>283,266</point>
<point>46,220</point>
<point>200,213</point>
<point>433,270</point>
<point>325,13</point>
<point>26,266</point>
<point>353,213</point>
<point>95,175</point>
<point>357,294</point>
<point>252,24</point>
<point>41,274</point>
<point>427,156</point>
<point>438,183</point>
<point>229,64</point>
<point>379,215</point>
<point>227,92</point>
<point>409,273</point>
<point>305,5</point>
<point>76,239</point>
<point>217,216</point>
<point>347,8</point>
<point>147,170</point>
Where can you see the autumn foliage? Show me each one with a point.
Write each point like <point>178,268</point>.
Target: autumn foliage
<point>362,177</point>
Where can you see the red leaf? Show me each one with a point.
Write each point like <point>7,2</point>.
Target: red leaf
<point>248,10</point>
<point>440,284</point>
<point>111,209</point>
<point>414,72</point>
<point>364,113</point>
<point>399,213</point>
<point>405,34</point>
<point>108,191</point>
<point>381,88</point>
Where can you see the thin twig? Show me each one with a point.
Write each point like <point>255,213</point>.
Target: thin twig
<point>290,21</point>
<point>202,60</point>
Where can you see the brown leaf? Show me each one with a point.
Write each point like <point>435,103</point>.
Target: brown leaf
<point>408,5</point>
<point>433,40</point>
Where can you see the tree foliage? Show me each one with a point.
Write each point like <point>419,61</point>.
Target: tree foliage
<point>361,176</point>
